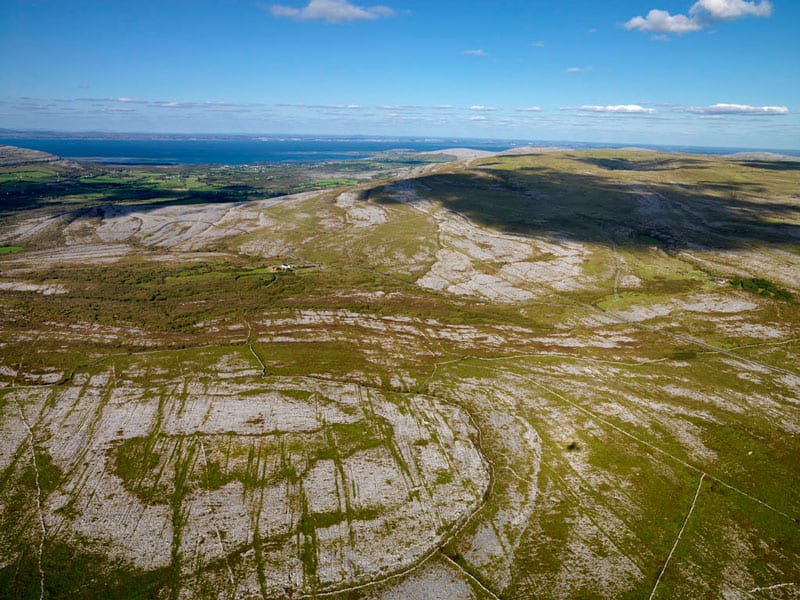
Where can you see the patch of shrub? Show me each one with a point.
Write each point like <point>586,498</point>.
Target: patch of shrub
<point>762,287</point>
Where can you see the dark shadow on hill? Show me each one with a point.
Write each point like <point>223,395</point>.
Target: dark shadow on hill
<point>19,196</point>
<point>596,208</point>
<point>658,164</point>
<point>772,165</point>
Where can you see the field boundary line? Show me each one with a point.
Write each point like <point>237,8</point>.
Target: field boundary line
<point>678,539</point>
<point>470,576</point>
<point>38,500</point>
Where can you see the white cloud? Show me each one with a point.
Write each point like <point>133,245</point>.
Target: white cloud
<point>701,14</point>
<point>338,107</point>
<point>397,108</point>
<point>477,118</point>
<point>323,106</point>
<point>530,109</point>
<point>173,104</point>
<point>332,11</point>
<point>738,109</point>
<point>539,44</point>
<point>478,52</point>
<point>579,69</point>
<point>660,21</point>
<point>615,108</point>
<point>483,108</point>
<point>725,10</point>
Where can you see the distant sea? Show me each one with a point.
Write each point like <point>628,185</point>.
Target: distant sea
<point>239,150</point>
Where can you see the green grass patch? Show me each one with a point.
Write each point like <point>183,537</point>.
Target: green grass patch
<point>23,176</point>
<point>308,548</point>
<point>762,287</point>
<point>76,572</point>
<point>137,464</point>
<point>443,477</point>
<point>47,474</point>
<point>683,355</point>
<point>214,477</point>
<point>361,435</point>
<point>324,184</point>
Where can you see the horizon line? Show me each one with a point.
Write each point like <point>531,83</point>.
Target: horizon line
<point>526,141</point>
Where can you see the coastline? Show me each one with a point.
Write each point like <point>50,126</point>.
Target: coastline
<point>158,149</point>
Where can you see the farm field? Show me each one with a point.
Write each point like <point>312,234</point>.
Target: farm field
<point>541,374</point>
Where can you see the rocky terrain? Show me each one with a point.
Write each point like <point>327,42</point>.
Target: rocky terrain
<point>548,374</point>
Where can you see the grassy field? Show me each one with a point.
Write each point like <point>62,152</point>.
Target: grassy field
<point>551,375</point>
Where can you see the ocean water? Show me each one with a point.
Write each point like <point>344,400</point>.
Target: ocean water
<point>236,151</point>
<point>239,150</point>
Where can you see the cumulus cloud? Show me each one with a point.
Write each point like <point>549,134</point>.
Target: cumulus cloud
<point>483,108</point>
<point>530,109</point>
<point>726,10</point>
<point>738,109</point>
<point>660,21</point>
<point>332,11</point>
<point>579,69</point>
<point>701,14</point>
<point>478,52</point>
<point>539,44</point>
<point>615,108</point>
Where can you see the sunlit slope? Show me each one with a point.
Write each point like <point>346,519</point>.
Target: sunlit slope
<point>565,374</point>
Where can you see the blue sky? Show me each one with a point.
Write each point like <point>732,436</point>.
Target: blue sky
<point>702,72</point>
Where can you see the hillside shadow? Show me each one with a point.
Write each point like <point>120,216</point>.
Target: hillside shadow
<point>596,208</point>
<point>18,196</point>
<point>532,199</point>
<point>772,165</point>
<point>658,164</point>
